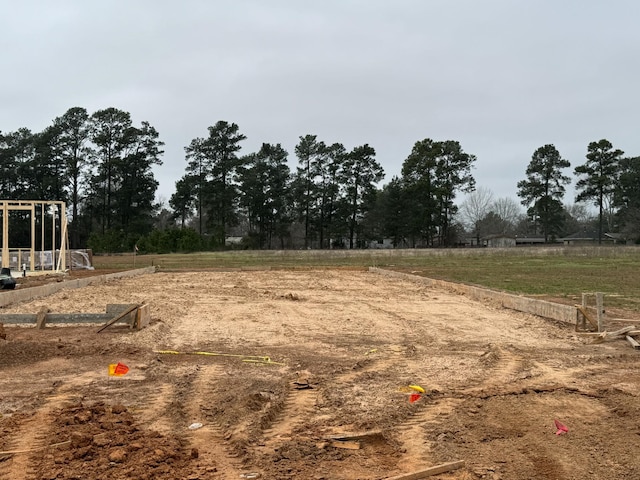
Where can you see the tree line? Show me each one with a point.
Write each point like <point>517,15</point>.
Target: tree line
<point>607,180</point>
<point>101,164</point>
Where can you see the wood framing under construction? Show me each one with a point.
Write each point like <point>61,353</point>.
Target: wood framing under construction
<point>57,241</point>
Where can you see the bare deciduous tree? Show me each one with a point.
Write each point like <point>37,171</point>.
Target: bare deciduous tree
<point>474,208</point>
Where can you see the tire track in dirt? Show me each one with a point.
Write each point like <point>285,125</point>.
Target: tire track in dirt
<point>501,375</point>
<point>210,440</point>
<point>154,414</point>
<point>433,411</point>
<point>30,439</point>
<point>296,409</point>
<point>513,374</point>
<point>414,431</point>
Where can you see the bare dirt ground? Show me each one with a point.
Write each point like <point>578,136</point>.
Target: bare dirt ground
<point>301,357</point>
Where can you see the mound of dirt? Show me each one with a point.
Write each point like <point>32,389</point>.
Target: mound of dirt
<point>101,441</point>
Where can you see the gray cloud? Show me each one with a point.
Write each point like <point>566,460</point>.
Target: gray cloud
<point>501,77</point>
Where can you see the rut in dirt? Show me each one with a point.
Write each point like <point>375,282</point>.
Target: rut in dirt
<point>30,440</point>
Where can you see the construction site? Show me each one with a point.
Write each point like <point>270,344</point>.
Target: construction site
<point>323,374</point>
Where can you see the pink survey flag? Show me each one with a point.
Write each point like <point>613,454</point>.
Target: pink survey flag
<point>561,428</point>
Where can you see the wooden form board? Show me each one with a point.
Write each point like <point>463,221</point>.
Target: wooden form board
<point>136,316</point>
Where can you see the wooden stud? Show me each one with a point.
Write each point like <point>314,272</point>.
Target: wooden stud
<point>584,309</point>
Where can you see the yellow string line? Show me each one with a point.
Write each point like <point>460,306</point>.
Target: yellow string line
<point>245,358</point>
<point>267,361</point>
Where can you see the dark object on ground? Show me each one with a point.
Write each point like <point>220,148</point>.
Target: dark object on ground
<point>7,282</point>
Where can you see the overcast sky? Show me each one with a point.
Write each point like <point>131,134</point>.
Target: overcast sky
<point>502,77</point>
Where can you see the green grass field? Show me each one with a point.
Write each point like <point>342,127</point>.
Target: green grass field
<point>549,271</point>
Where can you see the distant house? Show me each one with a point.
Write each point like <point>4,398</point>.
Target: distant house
<point>589,236</point>
<point>499,241</point>
<point>529,240</point>
<point>384,243</point>
<point>230,241</point>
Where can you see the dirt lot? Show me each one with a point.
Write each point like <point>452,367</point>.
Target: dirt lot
<point>301,357</point>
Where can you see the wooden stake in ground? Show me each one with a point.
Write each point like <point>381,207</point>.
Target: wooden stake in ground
<point>41,317</point>
<point>600,310</point>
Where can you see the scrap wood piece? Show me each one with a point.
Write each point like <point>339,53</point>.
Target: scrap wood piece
<point>606,336</point>
<point>348,445</point>
<point>3,335</point>
<point>118,317</point>
<point>302,385</point>
<point>634,343</point>
<point>445,467</point>
<point>356,436</point>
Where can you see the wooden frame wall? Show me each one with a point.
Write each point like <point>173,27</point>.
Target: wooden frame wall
<point>37,206</point>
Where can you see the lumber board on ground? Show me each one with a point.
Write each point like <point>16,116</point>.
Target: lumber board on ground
<point>355,436</point>
<point>346,444</point>
<point>634,343</point>
<point>436,470</point>
<point>606,336</point>
<point>631,332</point>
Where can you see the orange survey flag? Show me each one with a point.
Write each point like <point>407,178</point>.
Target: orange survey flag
<point>118,369</point>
